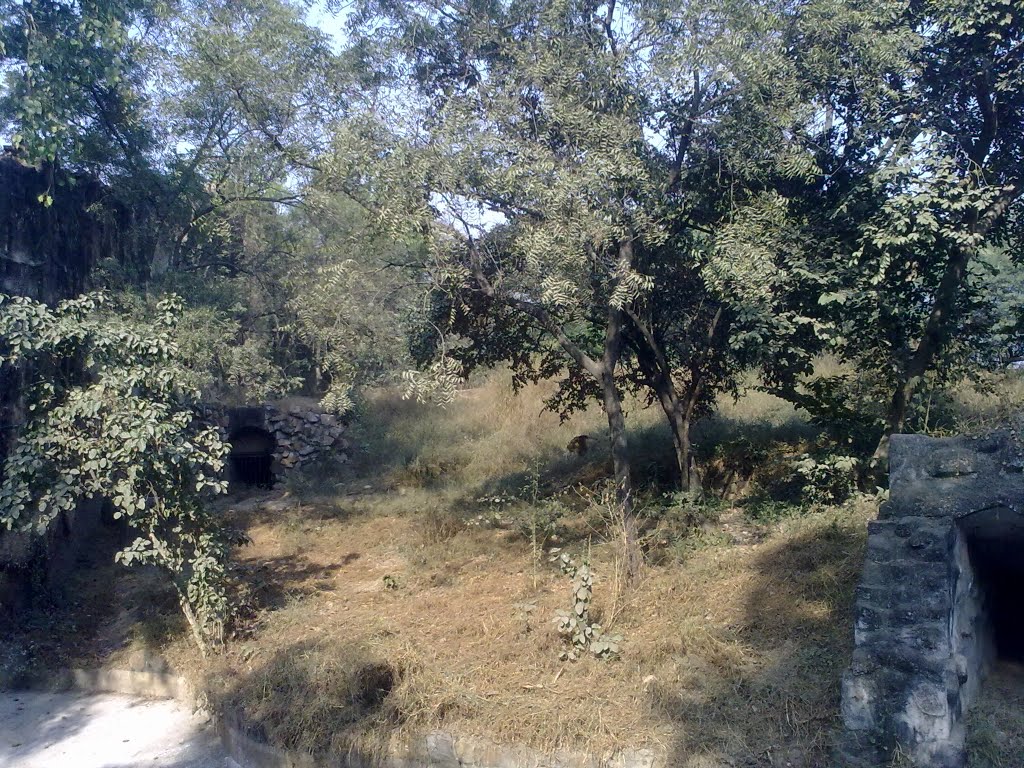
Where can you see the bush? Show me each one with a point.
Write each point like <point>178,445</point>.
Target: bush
<point>109,417</point>
<point>828,479</point>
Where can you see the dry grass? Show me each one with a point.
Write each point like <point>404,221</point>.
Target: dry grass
<point>733,655</point>
<point>986,404</point>
<point>381,610</point>
<point>378,607</point>
<point>995,736</point>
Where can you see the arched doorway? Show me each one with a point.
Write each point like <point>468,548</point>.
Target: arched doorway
<point>252,451</point>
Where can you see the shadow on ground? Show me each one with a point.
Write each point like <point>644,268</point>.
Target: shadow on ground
<point>274,582</point>
<point>41,730</point>
<point>779,706</point>
<point>326,698</point>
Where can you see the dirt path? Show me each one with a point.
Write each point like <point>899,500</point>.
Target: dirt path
<point>54,730</point>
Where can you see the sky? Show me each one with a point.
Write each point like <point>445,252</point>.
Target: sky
<point>331,22</point>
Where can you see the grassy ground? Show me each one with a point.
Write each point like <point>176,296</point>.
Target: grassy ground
<point>996,724</point>
<point>412,590</point>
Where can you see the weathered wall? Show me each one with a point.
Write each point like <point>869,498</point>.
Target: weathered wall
<point>33,568</point>
<point>922,636</point>
<point>47,253</point>
<point>301,433</point>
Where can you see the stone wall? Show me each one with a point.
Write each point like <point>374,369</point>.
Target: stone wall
<point>33,567</point>
<point>301,433</point>
<point>923,633</point>
<point>46,253</point>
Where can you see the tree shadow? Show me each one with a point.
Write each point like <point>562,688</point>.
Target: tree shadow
<point>325,698</point>
<point>274,582</point>
<point>776,702</point>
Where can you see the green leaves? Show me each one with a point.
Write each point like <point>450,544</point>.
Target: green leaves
<point>73,75</point>
<point>575,624</point>
<point>121,428</point>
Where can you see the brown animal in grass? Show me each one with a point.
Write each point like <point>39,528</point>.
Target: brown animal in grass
<point>578,445</point>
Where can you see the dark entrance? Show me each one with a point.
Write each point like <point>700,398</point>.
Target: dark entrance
<point>995,541</point>
<point>252,452</point>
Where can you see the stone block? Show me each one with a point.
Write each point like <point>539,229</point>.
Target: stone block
<point>920,641</point>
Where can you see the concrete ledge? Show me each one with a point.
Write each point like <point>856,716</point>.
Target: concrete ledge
<point>250,753</point>
<point>146,684</point>
<point>432,750</point>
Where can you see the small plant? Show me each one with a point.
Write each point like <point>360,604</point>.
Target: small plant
<point>575,624</point>
<point>829,479</point>
<point>762,509</point>
<point>390,583</point>
<point>535,517</point>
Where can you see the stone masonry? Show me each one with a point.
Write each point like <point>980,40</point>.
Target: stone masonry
<point>301,433</point>
<point>923,631</point>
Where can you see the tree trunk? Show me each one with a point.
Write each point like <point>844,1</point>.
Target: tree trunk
<point>612,402</point>
<point>933,340</point>
<point>679,425</point>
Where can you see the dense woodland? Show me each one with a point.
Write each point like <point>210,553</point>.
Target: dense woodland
<point>666,201</point>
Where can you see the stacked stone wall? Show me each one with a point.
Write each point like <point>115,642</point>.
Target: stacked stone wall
<point>302,434</point>
<point>922,638</point>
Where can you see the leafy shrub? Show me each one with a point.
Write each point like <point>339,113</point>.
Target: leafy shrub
<point>828,479</point>
<point>575,624</point>
<point>108,416</point>
<point>762,509</point>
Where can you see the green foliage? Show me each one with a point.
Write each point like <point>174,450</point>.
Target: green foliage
<point>595,205</point>
<point>108,417</point>
<point>763,509</point>
<point>575,625</point>
<point>828,479</point>
<point>921,178</point>
<point>71,70</point>
<point>684,512</point>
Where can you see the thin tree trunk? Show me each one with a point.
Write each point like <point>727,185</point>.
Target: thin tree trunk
<point>931,345</point>
<point>619,444</point>
<point>679,426</point>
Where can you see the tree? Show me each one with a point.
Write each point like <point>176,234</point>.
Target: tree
<point>921,175</point>
<point>107,418</point>
<point>624,146</point>
<point>619,148</point>
<point>72,91</point>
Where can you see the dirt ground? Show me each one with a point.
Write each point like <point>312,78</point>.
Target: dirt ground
<point>363,628</point>
<point>996,724</point>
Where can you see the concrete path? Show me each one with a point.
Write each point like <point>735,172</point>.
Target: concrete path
<point>77,730</point>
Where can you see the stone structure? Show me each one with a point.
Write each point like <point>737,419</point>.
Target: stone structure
<point>33,567</point>
<point>289,436</point>
<point>46,253</point>
<point>938,599</point>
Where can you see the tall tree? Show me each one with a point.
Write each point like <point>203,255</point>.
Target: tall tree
<point>73,85</point>
<point>920,135</point>
<point>618,145</point>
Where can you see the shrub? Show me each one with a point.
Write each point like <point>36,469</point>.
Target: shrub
<point>108,416</point>
<point>828,479</point>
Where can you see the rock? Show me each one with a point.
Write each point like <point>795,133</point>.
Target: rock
<point>923,630</point>
<point>952,462</point>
